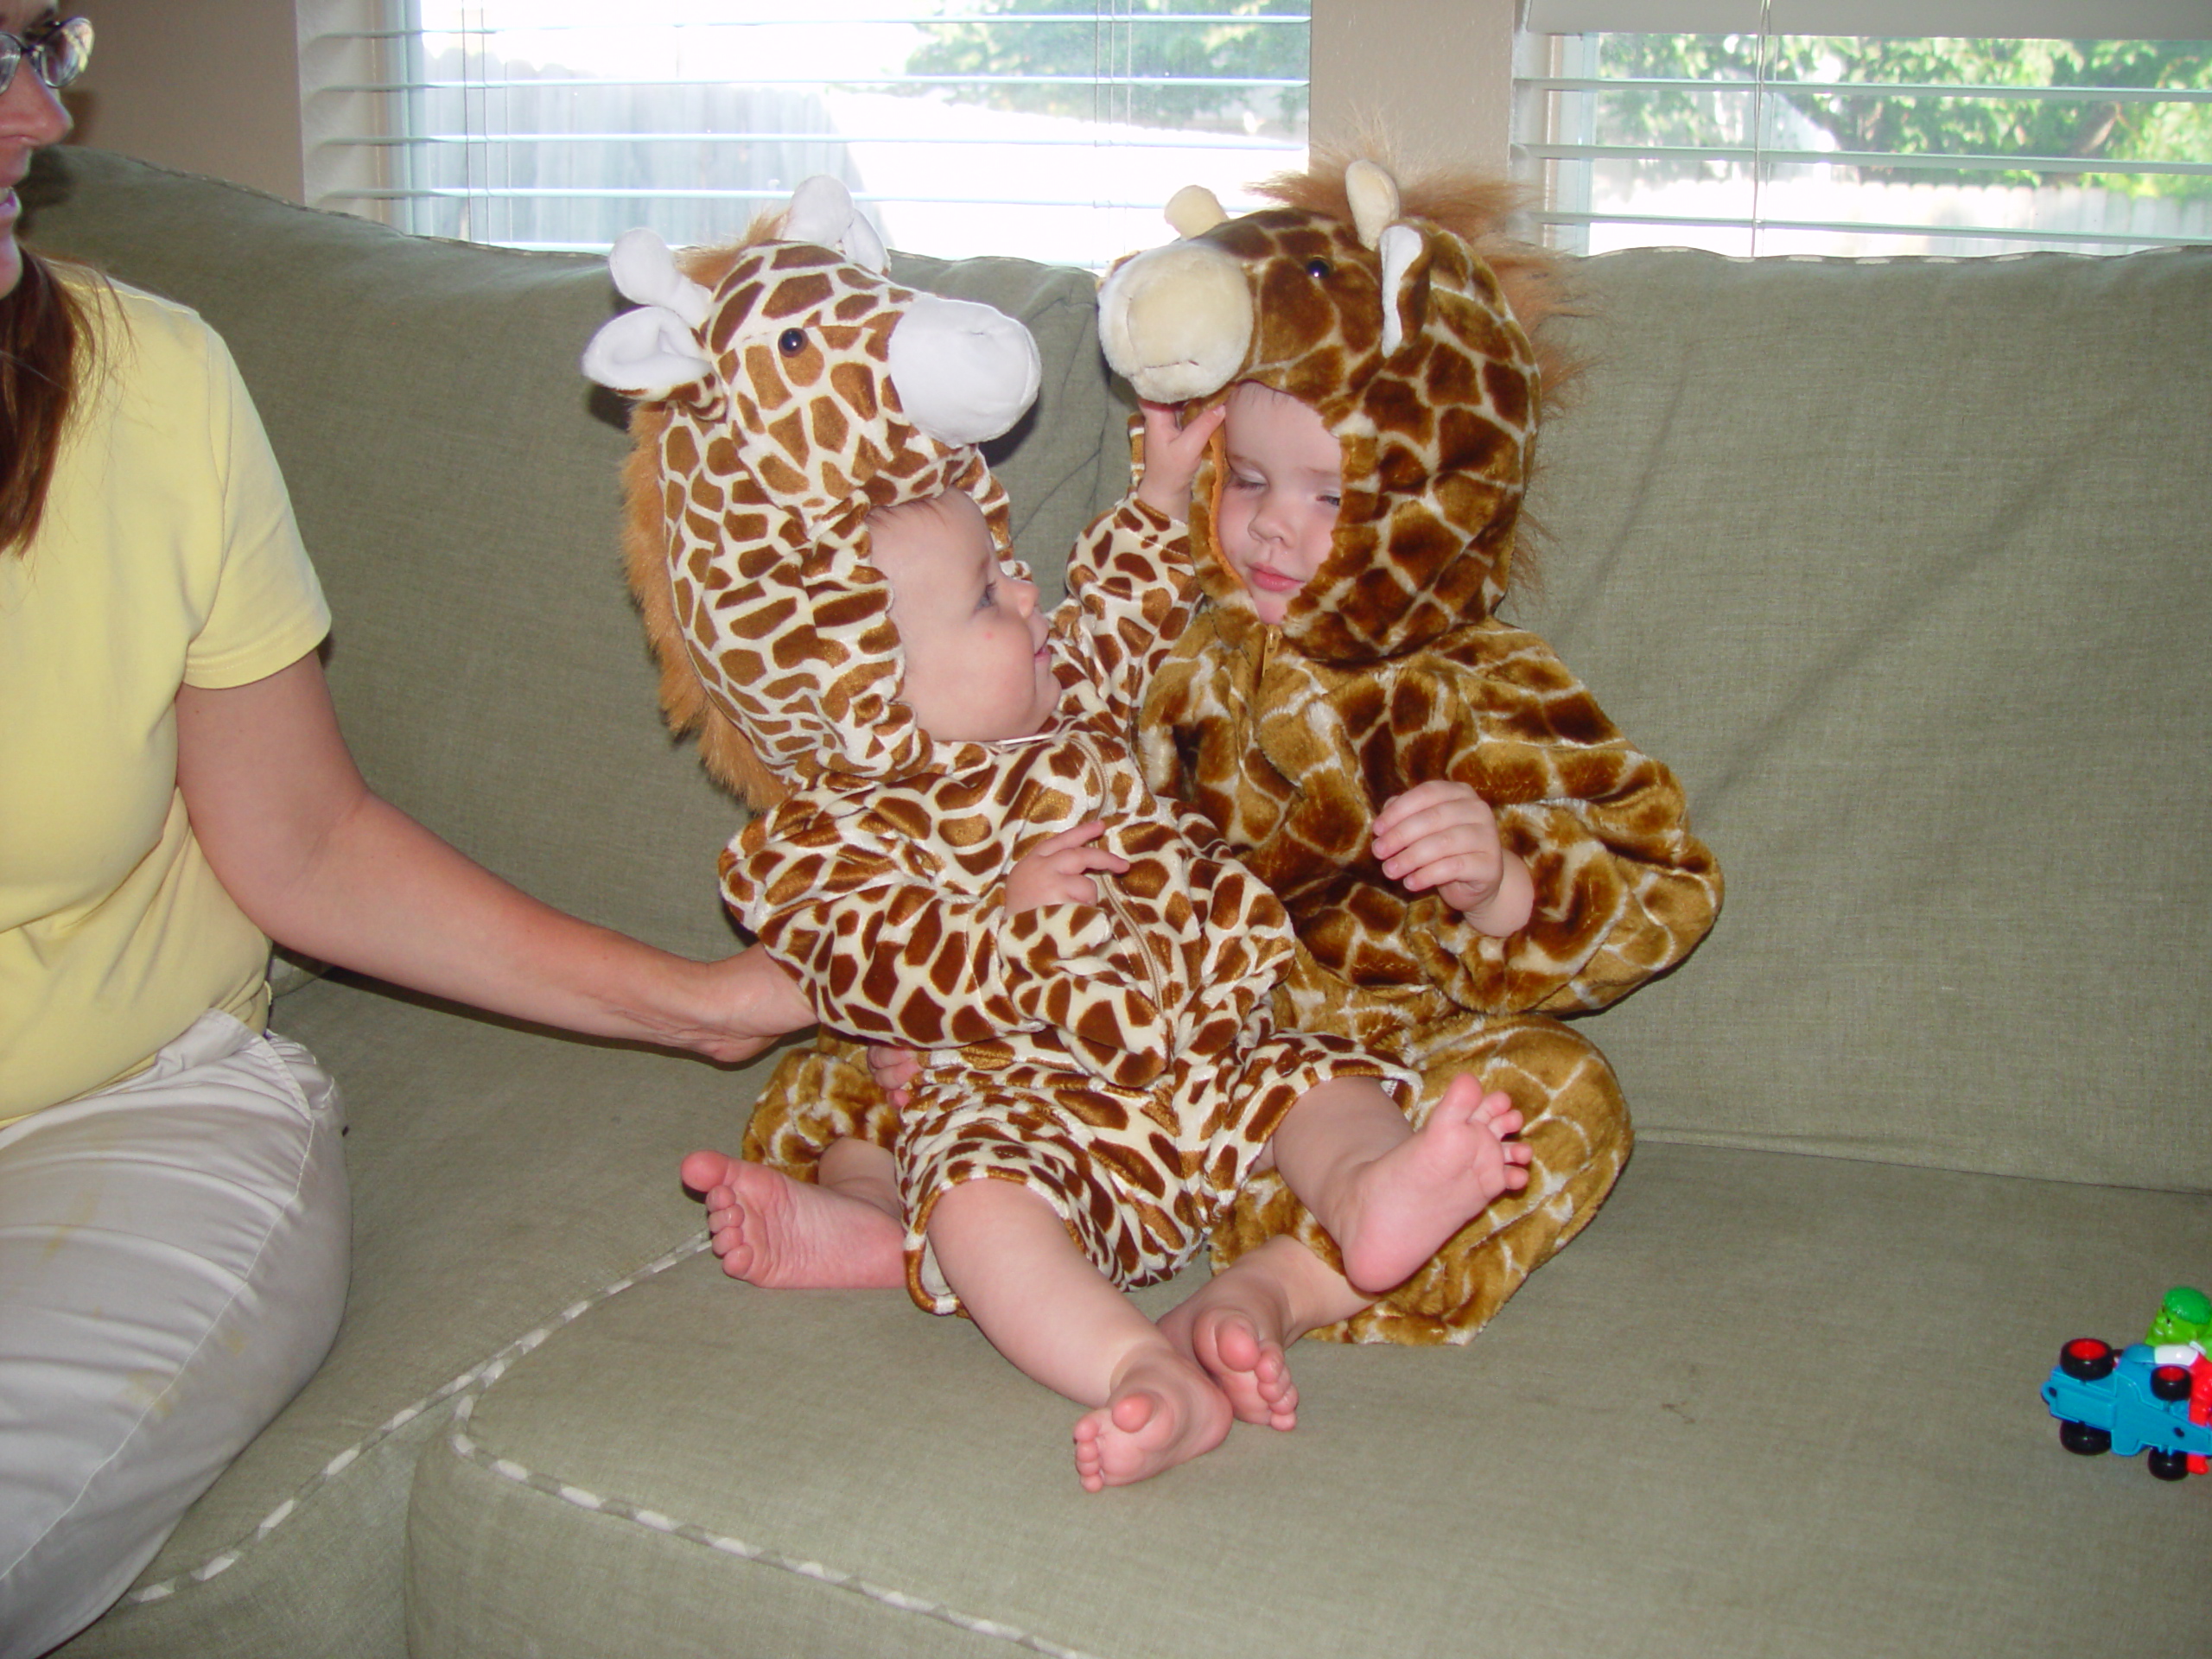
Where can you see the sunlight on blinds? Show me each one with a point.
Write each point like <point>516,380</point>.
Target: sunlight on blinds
<point>1043,128</point>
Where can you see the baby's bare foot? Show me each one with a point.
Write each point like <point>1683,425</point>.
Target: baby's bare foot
<point>1235,1328</point>
<point>780,1233</point>
<point>1414,1197</point>
<point>1163,1411</point>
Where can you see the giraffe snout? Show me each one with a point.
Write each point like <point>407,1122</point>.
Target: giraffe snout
<point>1177,322</point>
<point>963,371</point>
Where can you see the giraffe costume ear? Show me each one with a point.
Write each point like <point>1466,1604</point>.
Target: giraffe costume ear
<point>654,351</point>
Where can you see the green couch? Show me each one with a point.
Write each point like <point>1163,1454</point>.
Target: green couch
<point>1902,565</point>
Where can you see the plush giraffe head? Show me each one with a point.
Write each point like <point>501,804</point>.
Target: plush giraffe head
<point>1393,326</point>
<point>786,389</point>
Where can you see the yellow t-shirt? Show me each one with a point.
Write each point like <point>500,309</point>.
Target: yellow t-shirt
<point>168,556</point>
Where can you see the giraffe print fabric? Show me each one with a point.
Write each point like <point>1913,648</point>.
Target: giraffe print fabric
<point>1390,669</point>
<point>1120,1060</point>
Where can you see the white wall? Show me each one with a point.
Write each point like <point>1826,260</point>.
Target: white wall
<point>204,85</point>
<point>1436,75</point>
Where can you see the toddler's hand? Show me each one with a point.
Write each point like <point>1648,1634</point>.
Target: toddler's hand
<point>1442,835</point>
<point>1171,454</point>
<point>1056,871</point>
<point>893,1069</point>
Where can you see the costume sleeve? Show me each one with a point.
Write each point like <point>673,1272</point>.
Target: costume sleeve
<point>886,952</point>
<point>1130,576</point>
<point>1623,889</point>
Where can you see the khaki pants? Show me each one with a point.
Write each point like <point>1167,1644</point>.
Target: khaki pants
<point>173,1260</point>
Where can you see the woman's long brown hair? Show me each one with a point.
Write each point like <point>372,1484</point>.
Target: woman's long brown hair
<point>43,336</point>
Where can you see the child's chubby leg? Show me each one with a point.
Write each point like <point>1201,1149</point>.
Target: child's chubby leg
<point>1007,1256</point>
<point>840,1231</point>
<point>1239,1323</point>
<point>1389,1194</point>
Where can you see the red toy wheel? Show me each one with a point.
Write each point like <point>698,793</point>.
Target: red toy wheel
<point>2086,1359</point>
<point>2169,1382</point>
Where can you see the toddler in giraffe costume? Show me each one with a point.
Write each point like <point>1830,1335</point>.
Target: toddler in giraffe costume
<point>1090,977</point>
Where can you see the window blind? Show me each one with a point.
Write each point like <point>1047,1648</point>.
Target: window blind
<point>1053,129</point>
<point>1748,132</point>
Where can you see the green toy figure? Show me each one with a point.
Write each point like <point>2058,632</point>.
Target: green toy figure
<point>2180,1332</point>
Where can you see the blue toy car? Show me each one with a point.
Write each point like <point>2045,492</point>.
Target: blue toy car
<point>2125,1402</point>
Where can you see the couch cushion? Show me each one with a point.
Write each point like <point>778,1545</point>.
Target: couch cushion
<point>1770,1404</point>
<point>1902,565</point>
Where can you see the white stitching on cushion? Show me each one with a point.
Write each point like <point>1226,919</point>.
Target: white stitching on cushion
<point>623,1509</point>
<point>229,1557</point>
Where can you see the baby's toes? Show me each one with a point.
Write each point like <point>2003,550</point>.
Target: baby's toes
<point>1502,1119</point>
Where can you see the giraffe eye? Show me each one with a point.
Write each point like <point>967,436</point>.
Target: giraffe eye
<point>1318,269</point>
<point>791,341</point>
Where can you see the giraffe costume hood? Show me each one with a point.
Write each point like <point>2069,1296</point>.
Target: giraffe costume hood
<point>1117,1058</point>
<point>1400,337</point>
<point>786,389</point>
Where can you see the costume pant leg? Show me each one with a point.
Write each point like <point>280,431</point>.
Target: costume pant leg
<point>822,1093</point>
<point>1577,1130</point>
<point>173,1262</point>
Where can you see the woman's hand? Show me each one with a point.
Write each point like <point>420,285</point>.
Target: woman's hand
<point>894,1070</point>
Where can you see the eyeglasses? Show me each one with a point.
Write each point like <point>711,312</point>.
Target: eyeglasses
<point>58,52</point>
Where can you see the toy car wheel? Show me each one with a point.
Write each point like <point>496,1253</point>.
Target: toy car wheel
<point>2086,1359</point>
<point>2169,1382</point>
<point>2168,1465</point>
<point>2083,1441</point>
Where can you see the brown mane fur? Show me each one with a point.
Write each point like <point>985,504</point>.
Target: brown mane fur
<point>1473,205</point>
<point>728,758</point>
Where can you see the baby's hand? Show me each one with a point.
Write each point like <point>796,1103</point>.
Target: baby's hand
<point>1057,870</point>
<point>1171,454</point>
<point>894,1070</point>
<point>1442,835</point>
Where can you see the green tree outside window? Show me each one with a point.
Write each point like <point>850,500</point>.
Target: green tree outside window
<point>2086,131</point>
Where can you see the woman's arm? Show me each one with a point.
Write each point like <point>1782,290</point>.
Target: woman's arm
<point>320,864</point>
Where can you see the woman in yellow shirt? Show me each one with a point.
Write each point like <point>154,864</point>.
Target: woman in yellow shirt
<point>174,793</point>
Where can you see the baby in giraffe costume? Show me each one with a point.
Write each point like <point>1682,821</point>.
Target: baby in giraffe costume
<point>1347,700</point>
<point>965,860</point>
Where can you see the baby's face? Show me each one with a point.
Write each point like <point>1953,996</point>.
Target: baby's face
<point>977,668</point>
<point>1279,498</point>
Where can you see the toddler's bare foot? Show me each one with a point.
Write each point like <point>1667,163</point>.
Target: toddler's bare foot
<point>1411,1199</point>
<point>1162,1412</point>
<point>780,1233</point>
<point>1235,1328</point>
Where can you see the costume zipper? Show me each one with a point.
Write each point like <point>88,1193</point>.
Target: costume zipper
<point>1129,926</point>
